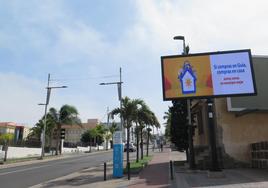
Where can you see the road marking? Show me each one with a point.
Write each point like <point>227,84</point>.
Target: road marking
<point>56,162</point>
<point>21,170</point>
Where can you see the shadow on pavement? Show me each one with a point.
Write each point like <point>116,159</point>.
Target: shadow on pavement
<point>76,181</point>
<point>232,178</point>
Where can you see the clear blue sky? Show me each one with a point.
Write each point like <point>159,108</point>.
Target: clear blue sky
<point>82,43</point>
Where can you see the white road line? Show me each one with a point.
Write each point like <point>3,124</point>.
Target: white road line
<point>57,162</point>
<point>21,170</point>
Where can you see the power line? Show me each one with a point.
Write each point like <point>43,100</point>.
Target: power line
<point>81,78</point>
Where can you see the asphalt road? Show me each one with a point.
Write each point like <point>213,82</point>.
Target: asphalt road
<point>29,175</point>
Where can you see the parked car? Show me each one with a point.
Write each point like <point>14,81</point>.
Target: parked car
<point>132,148</point>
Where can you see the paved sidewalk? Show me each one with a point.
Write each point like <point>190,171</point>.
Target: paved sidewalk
<point>156,174</point>
<point>232,178</point>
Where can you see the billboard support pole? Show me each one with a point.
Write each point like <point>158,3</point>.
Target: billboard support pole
<point>190,127</point>
<point>212,137</point>
<point>190,136</point>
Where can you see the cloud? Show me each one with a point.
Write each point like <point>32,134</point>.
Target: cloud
<point>19,98</point>
<point>207,25</point>
<point>52,37</point>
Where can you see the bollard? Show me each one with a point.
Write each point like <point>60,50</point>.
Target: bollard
<point>105,171</point>
<point>171,170</point>
<point>128,170</point>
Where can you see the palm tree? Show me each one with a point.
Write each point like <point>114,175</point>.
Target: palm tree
<point>107,137</point>
<point>154,123</point>
<point>112,129</point>
<point>5,139</point>
<point>137,131</point>
<point>128,114</point>
<point>67,115</point>
<point>167,117</point>
<point>143,116</point>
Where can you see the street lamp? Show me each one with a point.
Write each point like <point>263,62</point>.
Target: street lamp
<point>117,145</point>
<point>119,87</point>
<point>45,116</point>
<point>191,147</point>
<point>183,39</point>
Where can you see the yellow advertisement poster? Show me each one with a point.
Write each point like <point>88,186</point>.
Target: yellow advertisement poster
<point>189,76</point>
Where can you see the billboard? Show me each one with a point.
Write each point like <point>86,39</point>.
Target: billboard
<point>214,74</point>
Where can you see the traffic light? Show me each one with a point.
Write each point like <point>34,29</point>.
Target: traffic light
<point>62,133</point>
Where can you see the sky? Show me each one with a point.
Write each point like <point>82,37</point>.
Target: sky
<point>83,43</point>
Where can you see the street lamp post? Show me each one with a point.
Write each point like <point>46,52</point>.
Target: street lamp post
<point>117,137</point>
<point>119,86</point>
<point>49,88</point>
<point>190,128</point>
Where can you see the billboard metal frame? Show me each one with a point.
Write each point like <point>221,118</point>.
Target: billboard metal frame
<point>209,96</point>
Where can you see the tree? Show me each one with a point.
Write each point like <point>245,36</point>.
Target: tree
<point>88,136</point>
<point>137,131</point>
<point>112,129</point>
<point>142,118</point>
<point>100,134</point>
<point>36,131</point>
<point>128,114</point>
<point>179,125</point>
<point>107,136</point>
<point>153,121</point>
<point>67,115</point>
<point>167,117</point>
<point>5,139</point>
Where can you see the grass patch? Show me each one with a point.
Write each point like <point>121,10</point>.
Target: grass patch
<point>137,167</point>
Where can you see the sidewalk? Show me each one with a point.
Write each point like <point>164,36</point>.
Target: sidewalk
<point>232,178</point>
<point>156,174</point>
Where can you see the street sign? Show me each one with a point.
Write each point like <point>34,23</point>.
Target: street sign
<point>117,155</point>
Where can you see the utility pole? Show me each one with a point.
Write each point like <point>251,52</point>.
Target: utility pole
<point>45,118</point>
<point>49,88</point>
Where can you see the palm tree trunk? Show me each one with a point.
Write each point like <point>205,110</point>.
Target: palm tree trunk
<point>5,148</point>
<point>128,134</point>
<point>148,135</point>
<point>141,144</point>
<point>137,143</point>
<point>106,144</point>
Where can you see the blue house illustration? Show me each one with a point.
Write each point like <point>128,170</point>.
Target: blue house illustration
<point>187,79</point>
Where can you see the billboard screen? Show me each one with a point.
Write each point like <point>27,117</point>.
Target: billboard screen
<point>214,74</point>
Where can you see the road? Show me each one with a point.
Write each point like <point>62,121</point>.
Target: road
<point>29,175</point>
